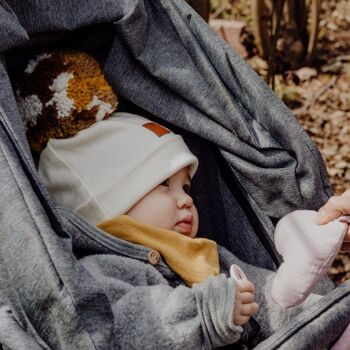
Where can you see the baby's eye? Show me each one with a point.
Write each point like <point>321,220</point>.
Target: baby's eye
<point>165,183</point>
<point>186,188</point>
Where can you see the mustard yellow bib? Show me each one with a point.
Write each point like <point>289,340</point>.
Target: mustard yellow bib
<point>193,259</point>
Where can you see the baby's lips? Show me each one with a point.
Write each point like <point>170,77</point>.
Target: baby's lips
<point>187,219</point>
<point>185,225</point>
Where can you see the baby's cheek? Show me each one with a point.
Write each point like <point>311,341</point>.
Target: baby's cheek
<point>195,222</point>
<point>167,214</point>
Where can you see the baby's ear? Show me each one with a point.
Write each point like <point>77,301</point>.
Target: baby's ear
<point>308,250</point>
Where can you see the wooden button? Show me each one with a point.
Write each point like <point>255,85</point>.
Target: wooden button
<point>154,257</point>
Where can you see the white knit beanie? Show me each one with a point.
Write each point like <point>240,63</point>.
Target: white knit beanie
<point>102,171</point>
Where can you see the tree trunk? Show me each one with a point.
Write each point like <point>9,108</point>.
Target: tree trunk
<point>202,7</point>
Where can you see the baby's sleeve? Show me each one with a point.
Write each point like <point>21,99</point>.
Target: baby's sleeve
<point>215,306</point>
<point>160,316</point>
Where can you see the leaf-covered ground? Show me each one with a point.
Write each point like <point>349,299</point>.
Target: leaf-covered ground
<point>318,95</point>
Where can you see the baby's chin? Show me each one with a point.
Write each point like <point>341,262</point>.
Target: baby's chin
<point>190,234</point>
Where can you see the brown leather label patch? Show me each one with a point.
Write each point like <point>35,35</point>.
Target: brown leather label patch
<point>156,129</point>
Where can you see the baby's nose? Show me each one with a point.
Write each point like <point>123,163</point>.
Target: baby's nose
<point>185,201</point>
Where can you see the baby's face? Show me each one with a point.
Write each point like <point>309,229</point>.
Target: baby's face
<point>169,206</point>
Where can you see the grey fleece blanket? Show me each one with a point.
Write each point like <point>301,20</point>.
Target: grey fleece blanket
<point>58,286</point>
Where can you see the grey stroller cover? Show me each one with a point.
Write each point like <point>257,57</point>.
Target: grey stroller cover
<point>257,164</point>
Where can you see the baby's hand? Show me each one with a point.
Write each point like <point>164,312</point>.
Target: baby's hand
<point>245,306</point>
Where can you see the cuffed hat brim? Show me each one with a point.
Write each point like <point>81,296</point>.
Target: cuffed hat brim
<point>105,169</point>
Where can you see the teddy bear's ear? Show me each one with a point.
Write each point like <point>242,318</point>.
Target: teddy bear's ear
<point>308,250</point>
<point>60,93</point>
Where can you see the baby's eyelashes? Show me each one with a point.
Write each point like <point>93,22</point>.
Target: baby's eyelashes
<point>165,183</point>
<point>187,188</point>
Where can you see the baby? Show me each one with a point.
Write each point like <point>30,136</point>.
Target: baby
<point>131,178</point>
<point>133,166</point>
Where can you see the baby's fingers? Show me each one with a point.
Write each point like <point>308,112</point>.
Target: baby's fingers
<point>249,309</point>
<point>245,286</point>
<point>240,320</point>
<point>246,298</point>
<point>244,313</point>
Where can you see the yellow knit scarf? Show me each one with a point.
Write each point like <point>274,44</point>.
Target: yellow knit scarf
<point>193,259</point>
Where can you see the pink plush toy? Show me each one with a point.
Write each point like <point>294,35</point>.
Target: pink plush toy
<point>308,250</point>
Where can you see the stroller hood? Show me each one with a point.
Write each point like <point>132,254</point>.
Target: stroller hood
<point>167,61</point>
